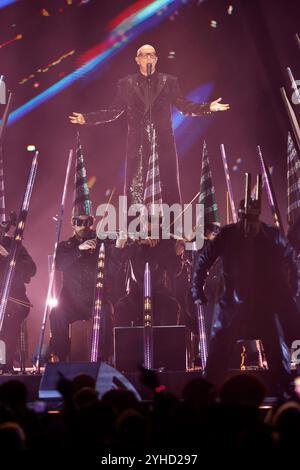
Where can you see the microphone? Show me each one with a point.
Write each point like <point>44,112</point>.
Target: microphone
<point>149,70</point>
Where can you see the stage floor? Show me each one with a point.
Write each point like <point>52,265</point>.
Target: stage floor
<point>173,381</point>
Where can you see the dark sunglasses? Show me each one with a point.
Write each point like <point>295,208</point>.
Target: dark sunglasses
<point>83,222</point>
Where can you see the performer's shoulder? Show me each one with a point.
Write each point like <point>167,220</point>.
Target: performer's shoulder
<point>229,228</point>
<point>272,232</point>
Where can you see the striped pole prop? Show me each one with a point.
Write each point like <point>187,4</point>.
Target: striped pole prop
<point>228,183</point>
<point>2,129</point>
<point>148,332</point>
<point>270,191</point>
<point>293,182</point>
<point>292,117</point>
<point>48,303</point>
<point>98,299</point>
<point>2,194</point>
<point>17,240</point>
<point>202,336</point>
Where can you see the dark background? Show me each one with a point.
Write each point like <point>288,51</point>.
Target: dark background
<point>243,59</point>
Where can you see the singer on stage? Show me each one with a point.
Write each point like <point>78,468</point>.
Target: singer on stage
<point>147,98</point>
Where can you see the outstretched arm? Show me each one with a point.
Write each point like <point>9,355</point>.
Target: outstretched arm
<point>190,108</point>
<point>103,115</point>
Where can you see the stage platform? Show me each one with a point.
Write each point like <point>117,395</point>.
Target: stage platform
<point>173,381</point>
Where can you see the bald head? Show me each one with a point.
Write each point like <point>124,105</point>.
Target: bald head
<point>145,48</point>
<point>146,54</point>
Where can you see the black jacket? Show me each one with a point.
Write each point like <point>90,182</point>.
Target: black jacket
<point>132,99</point>
<point>258,270</point>
<point>79,269</point>
<point>24,271</point>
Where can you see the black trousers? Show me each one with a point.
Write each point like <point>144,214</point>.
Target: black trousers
<point>258,324</point>
<point>62,316</point>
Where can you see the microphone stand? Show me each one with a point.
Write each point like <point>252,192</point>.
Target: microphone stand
<point>151,129</point>
<point>149,72</point>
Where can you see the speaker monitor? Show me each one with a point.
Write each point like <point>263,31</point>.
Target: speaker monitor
<point>106,377</point>
<point>169,348</point>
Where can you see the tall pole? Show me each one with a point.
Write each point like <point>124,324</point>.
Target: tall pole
<point>148,320</point>
<point>98,300</point>
<point>270,191</point>
<point>17,241</point>
<point>48,305</point>
<point>228,183</point>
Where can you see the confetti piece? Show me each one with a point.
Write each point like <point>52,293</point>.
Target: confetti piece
<point>47,67</point>
<point>45,12</point>
<point>16,38</point>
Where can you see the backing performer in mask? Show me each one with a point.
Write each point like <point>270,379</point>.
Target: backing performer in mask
<point>261,280</point>
<point>77,260</point>
<point>18,305</point>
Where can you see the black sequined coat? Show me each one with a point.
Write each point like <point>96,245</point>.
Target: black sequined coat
<point>132,98</point>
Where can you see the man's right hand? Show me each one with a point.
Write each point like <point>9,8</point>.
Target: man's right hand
<point>88,245</point>
<point>77,118</point>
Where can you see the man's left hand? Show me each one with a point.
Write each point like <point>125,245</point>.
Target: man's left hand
<point>217,106</point>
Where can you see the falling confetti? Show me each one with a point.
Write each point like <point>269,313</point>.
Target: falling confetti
<point>16,38</point>
<point>91,182</point>
<point>45,12</point>
<point>45,69</point>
